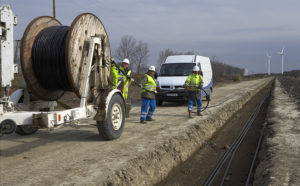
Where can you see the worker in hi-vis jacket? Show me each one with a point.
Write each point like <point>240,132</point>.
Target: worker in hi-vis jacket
<point>148,95</point>
<point>193,85</point>
<point>122,72</point>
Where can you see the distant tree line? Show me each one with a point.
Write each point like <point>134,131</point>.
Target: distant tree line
<point>138,54</point>
<point>221,70</point>
<point>162,56</point>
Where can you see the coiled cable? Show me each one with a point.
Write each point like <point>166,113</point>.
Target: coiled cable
<point>48,58</point>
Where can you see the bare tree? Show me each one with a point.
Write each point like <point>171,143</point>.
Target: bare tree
<point>168,52</point>
<point>141,56</point>
<point>189,53</point>
<point>127,48</point>
<point>164,54</point>
<point>137,53</point>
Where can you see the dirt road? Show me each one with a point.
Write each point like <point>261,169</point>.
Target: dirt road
<point>142,156</point>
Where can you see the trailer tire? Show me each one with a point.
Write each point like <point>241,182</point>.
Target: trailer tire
<point>26,130</point>
<point>7,126</point>
<point>113,127</point>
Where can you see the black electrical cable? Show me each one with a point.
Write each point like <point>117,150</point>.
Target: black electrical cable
<point>48,58</point>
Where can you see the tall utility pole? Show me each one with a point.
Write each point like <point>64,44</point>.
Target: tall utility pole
<point>54,8</point>
<point>282,54</point>
<point>269,61</point>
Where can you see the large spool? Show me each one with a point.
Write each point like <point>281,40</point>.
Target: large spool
<point>83,28</point>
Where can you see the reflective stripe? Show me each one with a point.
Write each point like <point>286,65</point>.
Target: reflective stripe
<point>126,80</point>
<point>150,114</point>
<point>193,82</point>
<point>150,85</point>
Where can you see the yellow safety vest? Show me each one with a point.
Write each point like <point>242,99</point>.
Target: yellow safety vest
<point>116,74</point>
<point>150,86</point>
<point>193,82</point>
<point>126,81</point>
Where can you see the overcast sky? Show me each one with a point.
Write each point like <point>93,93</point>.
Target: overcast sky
<point>235,32</point>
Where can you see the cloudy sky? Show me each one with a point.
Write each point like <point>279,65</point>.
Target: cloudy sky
<point>235,32</point>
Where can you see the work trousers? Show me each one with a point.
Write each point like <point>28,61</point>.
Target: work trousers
<point>148,107</point>
<point>191,103</point>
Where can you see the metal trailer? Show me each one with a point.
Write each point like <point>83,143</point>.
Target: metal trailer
<point>109,106</point>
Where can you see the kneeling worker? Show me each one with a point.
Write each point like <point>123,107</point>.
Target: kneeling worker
<point>193,85</point>
<point>148,95</point>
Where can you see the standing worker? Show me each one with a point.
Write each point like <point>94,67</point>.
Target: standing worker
<point>122,72</point>
<point>148,95</point>
<point>193,85</point>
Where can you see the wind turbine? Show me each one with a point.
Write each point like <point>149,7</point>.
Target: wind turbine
<point>282,54</point>
<point>269,61</point>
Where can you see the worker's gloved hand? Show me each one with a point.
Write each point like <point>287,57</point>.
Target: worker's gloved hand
<point>131,79</point>
<point>186,88</point>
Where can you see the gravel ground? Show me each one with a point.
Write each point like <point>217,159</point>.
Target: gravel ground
<point>279,157</point>
<point>144,155</point>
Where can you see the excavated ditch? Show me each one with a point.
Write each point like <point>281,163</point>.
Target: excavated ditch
<point>199,166</point>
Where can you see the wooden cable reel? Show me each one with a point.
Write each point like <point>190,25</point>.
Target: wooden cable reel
<point>83,28</point>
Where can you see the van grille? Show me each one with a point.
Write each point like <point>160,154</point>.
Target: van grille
<point>170,87</point>
<point>178,86</point>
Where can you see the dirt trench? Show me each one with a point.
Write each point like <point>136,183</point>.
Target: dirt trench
<point>200,165</point>
<point>144,155</point>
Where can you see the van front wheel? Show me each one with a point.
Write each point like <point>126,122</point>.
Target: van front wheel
<point>159,102</point>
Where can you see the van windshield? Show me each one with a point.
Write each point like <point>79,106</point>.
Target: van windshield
<point>176,69</point>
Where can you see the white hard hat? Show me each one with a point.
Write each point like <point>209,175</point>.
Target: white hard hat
<point>195,68</point>
<point>125,60</point>
<point>152,68</point>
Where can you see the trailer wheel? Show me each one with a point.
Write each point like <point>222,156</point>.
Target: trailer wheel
<point>113,127</point>
<point>26,130</point>
<point>7,126</point>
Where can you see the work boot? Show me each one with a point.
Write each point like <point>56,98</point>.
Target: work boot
<point>190,114</point>
<point>143,122</point>
<point>199,113</point>
<point>150,119</point>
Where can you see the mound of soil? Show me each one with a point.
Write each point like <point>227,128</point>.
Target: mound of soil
<point>291,86</point>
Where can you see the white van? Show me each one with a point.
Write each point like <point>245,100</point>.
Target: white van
<point>173,73</point>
